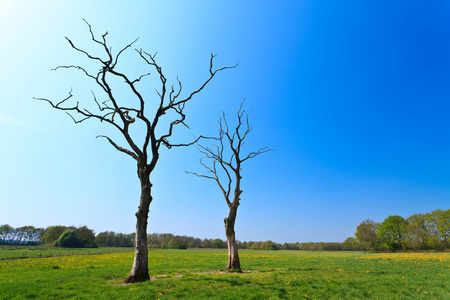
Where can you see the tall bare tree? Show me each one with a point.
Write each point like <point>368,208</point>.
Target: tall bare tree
<point>225,169</point>
<point>120,113</point>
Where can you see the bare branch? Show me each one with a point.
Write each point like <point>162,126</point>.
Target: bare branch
<point>215,177</point>
<point>256,153</point>
<point>77,121</point>
<point>121,51</point>
<point>210,154</point>
<point>140,77</point>
<point>201,175</point>
<point>169,145</point>
<point>218,70</point>
<point>212,74</point>
<point>121,149</point>
<point>82,51</point>
<point>180,87</point>
<point>84,112</point>
<point>76,67</point>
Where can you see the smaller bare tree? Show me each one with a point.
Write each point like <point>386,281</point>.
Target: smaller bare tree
<point>226,167</point>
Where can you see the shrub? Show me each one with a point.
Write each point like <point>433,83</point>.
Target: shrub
<point>52,234</point>
<point>218,243</point>
<point>68,239</point>
<point>85,237</point>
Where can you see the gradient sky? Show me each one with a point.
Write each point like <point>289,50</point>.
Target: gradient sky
<point>353,96</point>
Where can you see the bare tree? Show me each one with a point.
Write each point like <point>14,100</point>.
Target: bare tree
<point>226,171</point>
<point>121,114</point>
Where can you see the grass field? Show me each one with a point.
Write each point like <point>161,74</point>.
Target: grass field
<point>193,274</point>
<point>9,252</point>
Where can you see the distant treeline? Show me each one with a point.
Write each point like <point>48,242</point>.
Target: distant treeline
<point>83,237</point>
<point>170,241</point>
<point>430,231</point>
<point>26,235</point>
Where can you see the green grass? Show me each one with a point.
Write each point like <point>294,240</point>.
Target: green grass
<point>194,274</point>
<point>9,252</point>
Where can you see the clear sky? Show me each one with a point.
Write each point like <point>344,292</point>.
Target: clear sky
<point>354,96</point>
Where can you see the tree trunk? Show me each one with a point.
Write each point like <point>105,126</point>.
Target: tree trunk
<point>139,271</point>
<point>234,265</point>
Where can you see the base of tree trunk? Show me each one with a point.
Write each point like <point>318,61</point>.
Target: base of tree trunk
<point>136,279</point>
<point>236,270</point>
<point>234,263</point>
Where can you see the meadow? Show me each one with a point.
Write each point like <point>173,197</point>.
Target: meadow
<point>11,252</point>
<point>195,274</point>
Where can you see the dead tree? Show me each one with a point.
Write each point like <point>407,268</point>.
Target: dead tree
<point>226,171</point>
<point>123,113</point>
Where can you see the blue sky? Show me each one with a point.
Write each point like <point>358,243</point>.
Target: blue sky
<point>352,96</point>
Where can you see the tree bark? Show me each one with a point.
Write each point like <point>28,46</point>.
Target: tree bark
<point>234,265</point>
<point>139,271</point>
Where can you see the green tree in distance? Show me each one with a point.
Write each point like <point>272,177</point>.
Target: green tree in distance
<point>348,243</point>
<point>52,234</point>
<point>218,243</point>
<point>392,232</point>
<point>85,237</point>
<point>417,234</point>
<point>5,231</point>
<point>68,239</point>
<point>366,233</point>
<point>441,222</point>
